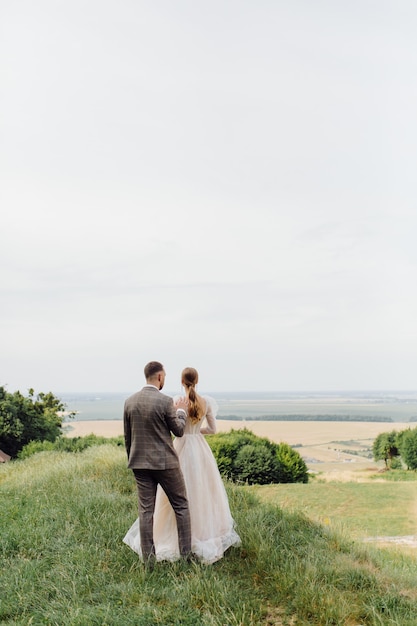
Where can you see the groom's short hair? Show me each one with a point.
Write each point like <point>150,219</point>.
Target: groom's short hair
<point>153,368</point>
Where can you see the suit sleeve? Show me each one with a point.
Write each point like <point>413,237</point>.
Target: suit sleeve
<point>175,419</point>
<point>127,431</point>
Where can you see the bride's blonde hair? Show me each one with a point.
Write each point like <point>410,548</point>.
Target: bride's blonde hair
<point>189,378</point>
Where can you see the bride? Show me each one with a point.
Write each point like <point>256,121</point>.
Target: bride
<point>212,525</point>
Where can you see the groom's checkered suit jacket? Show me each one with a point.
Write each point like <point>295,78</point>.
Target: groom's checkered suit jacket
<point>149,419</point>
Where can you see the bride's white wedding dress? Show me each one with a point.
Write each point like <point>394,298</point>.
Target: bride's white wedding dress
<point>212,525</point>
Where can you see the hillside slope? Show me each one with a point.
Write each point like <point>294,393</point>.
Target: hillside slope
<point>63,561</point>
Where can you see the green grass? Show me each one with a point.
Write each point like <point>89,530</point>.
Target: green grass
<point>398,475</point>
<point>360,509</point>
<point>63,562</point>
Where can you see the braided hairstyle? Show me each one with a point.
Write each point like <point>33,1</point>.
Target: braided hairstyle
<point>189,379</point>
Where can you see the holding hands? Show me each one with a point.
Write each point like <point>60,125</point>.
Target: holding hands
<point>181,403</point>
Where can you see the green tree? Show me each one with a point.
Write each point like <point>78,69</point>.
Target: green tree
<point>28,418</point>
<point>408,448</point>
<point>385,447</point>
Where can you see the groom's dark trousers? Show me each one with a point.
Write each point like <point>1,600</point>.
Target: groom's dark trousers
<point>172,483</point>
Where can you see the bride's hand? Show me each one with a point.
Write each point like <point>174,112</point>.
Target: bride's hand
<point>181,403</point>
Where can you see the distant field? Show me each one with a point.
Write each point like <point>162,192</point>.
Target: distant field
<point>395,406</point>
<point>312,433</point>
<point>308,433</point>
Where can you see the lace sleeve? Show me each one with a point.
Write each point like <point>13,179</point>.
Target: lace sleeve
<point>211,412</point>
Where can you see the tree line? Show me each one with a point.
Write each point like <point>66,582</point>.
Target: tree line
<point>303,417</point>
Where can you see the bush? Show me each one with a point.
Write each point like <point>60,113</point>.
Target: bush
<point>409,448</point>
<point>292,468</point>
<point>26,418</point>
<point>225,447</point>
<point>68,444</point>
<point>34,447</point>
<point>256,465</point>
<point>241,456</point>
<point>396,448</point>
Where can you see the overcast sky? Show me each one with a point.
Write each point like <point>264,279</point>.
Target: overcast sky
<point>227,184</point>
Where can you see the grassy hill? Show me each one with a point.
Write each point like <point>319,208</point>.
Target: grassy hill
<point>63,562</point>
<point>366,510</point>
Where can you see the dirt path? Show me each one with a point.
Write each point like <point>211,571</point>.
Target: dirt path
<point>408,541</point>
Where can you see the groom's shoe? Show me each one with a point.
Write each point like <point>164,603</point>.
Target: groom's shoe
<point>191,557</point>
<point>149,563</point>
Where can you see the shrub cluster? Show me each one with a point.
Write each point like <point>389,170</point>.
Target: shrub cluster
<point>396,448</point>
<point>68,444</point>
<point>241,456</point>
<point>246,458</point>
<point>28,418</point>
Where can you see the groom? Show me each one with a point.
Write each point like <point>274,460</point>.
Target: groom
<point>149,419</point>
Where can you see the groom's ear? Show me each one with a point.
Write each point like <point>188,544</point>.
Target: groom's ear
<point>161,378</point>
